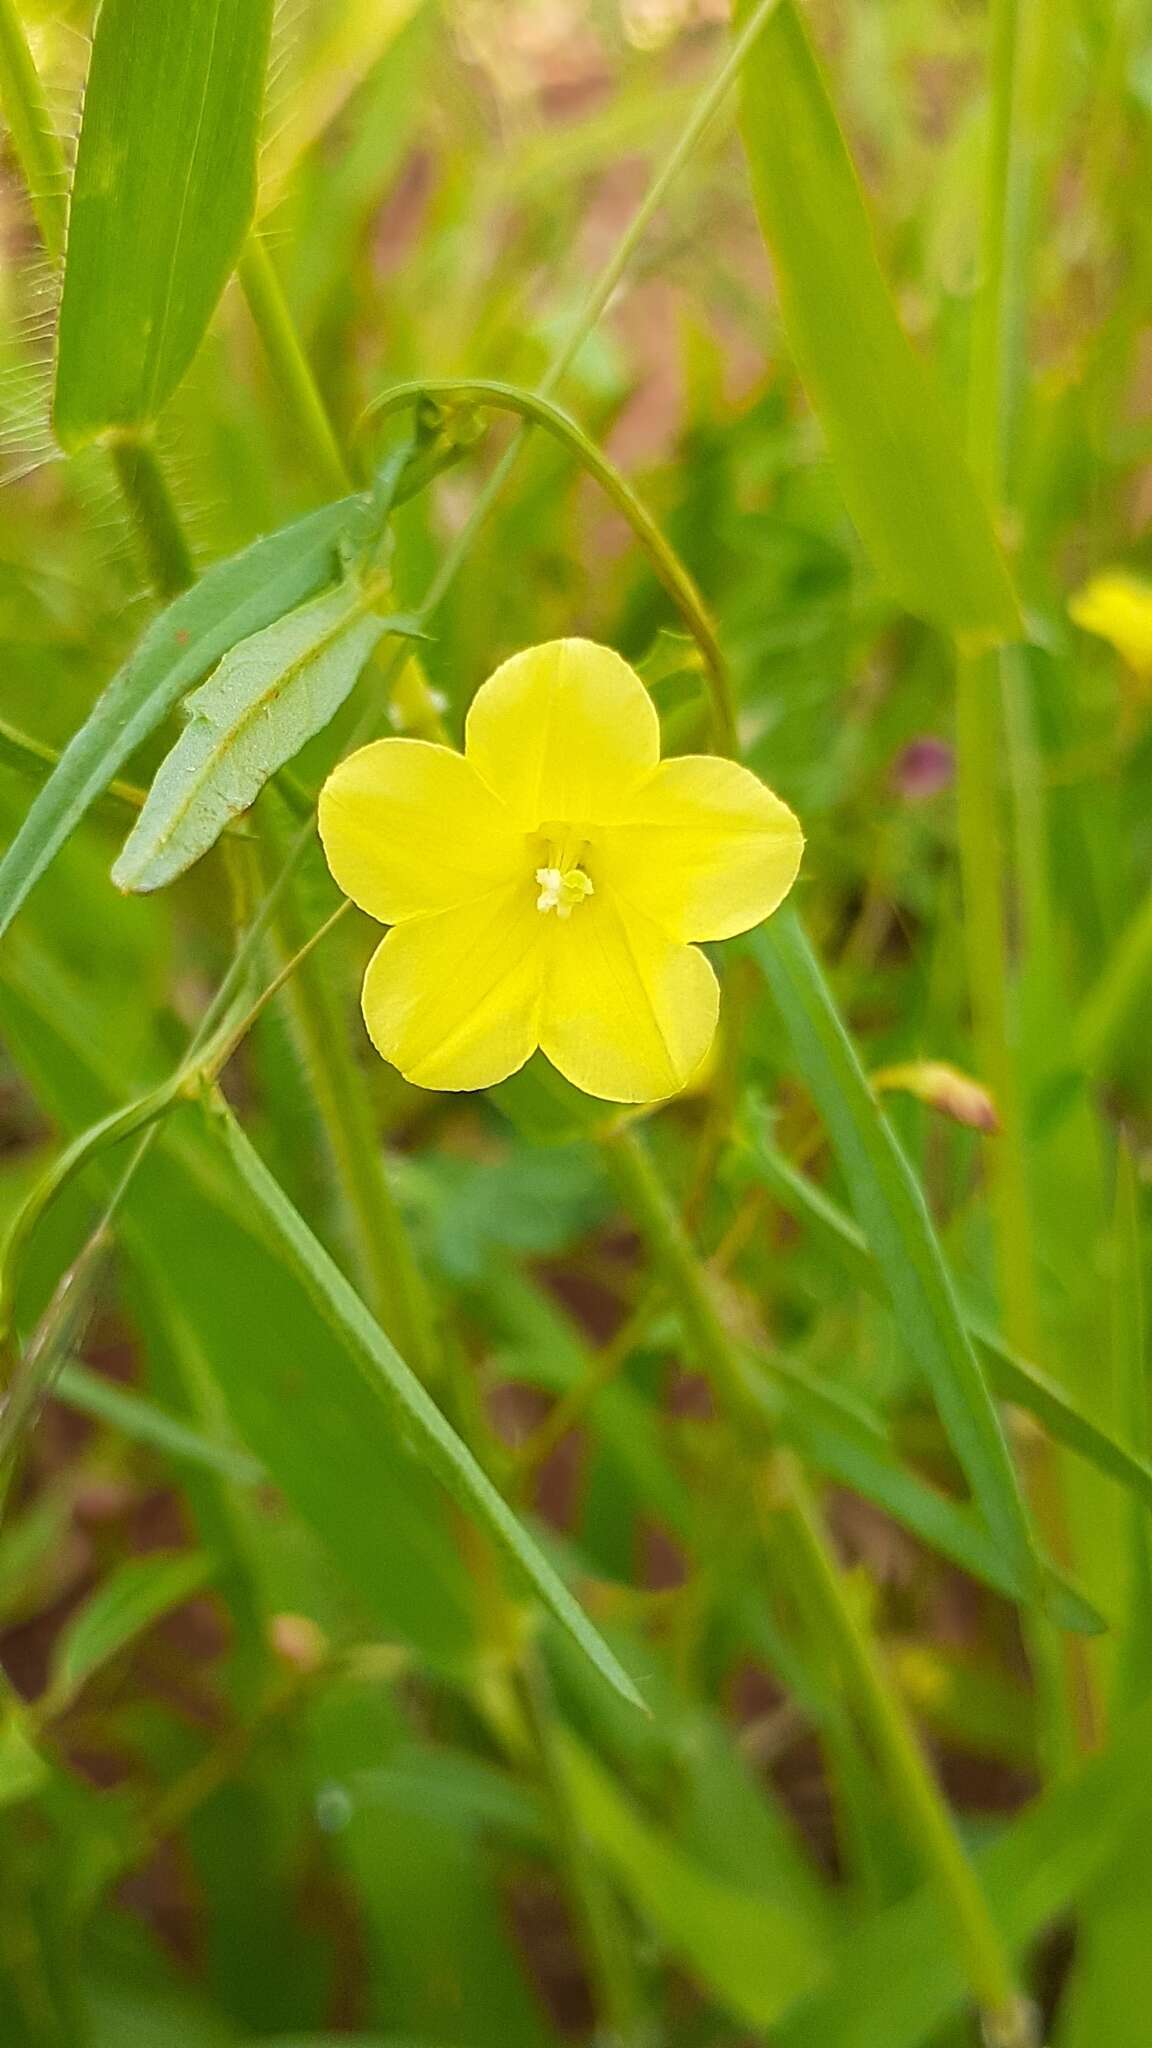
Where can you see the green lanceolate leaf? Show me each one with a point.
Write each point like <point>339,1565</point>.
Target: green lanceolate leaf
<point>267,698</point>
<point>236,598</point>
<point>898,463</point>
<point>136,1594</point>
<point>895,1220</point>
<point>162,198</point>
<point>415,1412</point>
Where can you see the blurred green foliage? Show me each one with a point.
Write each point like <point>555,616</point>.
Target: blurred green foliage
<point>286,1753</point>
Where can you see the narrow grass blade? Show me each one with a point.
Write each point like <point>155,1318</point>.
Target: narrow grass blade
<point>163,196</point>
<point>236,598</point>
<point>146,1422</point>
<point>1013,1378</point>
<point>895,1219</point>
<point>135,1595</point>
<point>417,1416</point>
<point>899,465</point>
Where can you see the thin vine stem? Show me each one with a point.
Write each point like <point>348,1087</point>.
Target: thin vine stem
<point>533,408</point>
<point>260,283</point>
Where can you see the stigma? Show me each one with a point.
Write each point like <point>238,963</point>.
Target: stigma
<point>561,889</point>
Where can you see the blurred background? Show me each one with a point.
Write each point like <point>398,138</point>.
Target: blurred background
<point>266,1788</point>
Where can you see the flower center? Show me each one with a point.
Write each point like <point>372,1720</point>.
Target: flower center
<point>561,889</point>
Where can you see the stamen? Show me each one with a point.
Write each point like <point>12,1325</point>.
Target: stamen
<point>561,889</point>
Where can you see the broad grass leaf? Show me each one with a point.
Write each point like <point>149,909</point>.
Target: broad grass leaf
<point>413,1410</point>
<point>268,697</point>
<point>163,197</point>
<point>236,598</point>
<point>127,1602</point>
<point>895,1220</point>
<point>749,1949</point>
<point>899,465</point>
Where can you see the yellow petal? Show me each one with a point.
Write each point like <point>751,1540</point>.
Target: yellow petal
<point>563,731</point>
<point>453,1000</point>
<point>629,1014</point>
<point>704,847</point>
<point>409,827</point>
<point>1118,607</point>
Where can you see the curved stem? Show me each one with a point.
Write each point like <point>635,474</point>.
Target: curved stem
<point>534,408</point>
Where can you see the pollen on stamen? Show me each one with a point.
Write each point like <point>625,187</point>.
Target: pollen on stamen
<point>562,889</point>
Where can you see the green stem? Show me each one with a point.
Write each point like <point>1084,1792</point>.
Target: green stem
<point>386,1265</point>
<point>1007,2018</point>
<point>702,116</point>
<point>987,1962</point>
<point>154,514</point>
<point>290,366</point>
<point>34,139</point>
<point>536,410</point>
<point>603,286</point>
<point>981,842</point>
<point>979,717</point>
<point>619,1994</point>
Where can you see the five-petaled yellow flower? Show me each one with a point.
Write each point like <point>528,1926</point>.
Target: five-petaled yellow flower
<point>545,887</point>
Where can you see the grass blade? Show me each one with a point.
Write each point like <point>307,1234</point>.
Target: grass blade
<point>135,1595</point>
<point>163,196</point>
<point>896,1223</point>
<point>1013,1378</point>
<point>416,1413</point>
<point>930,535</point>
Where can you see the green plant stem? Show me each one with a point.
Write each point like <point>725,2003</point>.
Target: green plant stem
<point>600,292</point>
<point>42,163</point>
<point>1007,2017</point>
<point>618,1991</point>
<point>536,410</point>
<point>979,716</point>
<point>987,1963</point>
<point>993,721</point>
<point>154,514</point>
<point>290,366</point>
<point>34,139</point>
<point>707,107</point>
<point>981,842</point>
<point>386,1266</point>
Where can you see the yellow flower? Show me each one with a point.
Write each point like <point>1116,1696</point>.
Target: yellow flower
<point>545,886</point>
<point>1118,607</point>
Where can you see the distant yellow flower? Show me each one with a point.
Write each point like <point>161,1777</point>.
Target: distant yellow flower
<point>545,886</point>
<point>1118,607</point>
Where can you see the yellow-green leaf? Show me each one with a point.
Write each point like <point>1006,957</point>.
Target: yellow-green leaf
<point>162,199</point>
<point>899,466</point>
